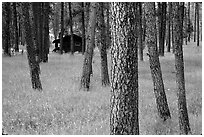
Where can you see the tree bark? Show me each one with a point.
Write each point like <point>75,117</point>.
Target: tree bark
<point>161,101</point>
<point>6,28</point>
<point>169,28</point>
<point>179,66</point>
<point>162,26</point>
<point>140,31</point>
<point>46,31</point>
<point>195,21</point>
<point>83,29</point>
<point>87,65</point>
<point>15,27</point>
<point>108,31</point>
<point>189,22</point>
<point>104,63</point>
<point>124,70</point>
<point>197,12</point>
<point>172,27</point>
<point>71,29</point>
<point>62,27</point>
<point>33,64</point>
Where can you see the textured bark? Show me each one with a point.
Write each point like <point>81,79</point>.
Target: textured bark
<point>162,26</point>
<point>189,21</point>
<point>169,28</point>
<point>46,31</point>
<point>124,70</point>
<point>172,27</point>
<point>104,64</point>
<point>161,101</point>
<point>87,65</point>
<point>33,64</point>
<point>108,31</point>
<point>197,21</point>
<point>140,31</point>
<point>179,66</point>
<point>71,29</point>
<point>15,27</point>
<point>6,28</point>
<point>62,27</point>
<point>83,29</point>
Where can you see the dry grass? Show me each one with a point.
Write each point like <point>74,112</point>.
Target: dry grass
<point>62,109</point>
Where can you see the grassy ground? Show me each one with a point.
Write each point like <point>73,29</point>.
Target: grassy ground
<point>61,108</point>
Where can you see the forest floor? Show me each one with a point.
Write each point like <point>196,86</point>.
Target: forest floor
<point>61,108</point>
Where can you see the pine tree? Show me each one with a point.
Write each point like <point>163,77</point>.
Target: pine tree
<point>83,29</point>
<point>15,27</point>
<point>124,70</point>
<point>179,67</point>
<point>103,47</point>
<point>6,27</point>
<point>62,27</point>
<point>140,31</point>
<point>33,63</point>
<point>87,65</point>
<point>71,29</point>
<point>161,101</point>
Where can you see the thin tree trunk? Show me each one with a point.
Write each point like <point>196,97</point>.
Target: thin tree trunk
<point>33,64</point>
<point>71,29</point>
<point>108,31</point>
<point>195,21</point>
<point>15,27</point>
<point>104,63</point>
<point>124,70</point>
<point>172,27</point>
<point>87,66</point>
<point>169,28</point>
<point>189,22</point>
<point>62,27</point>
<point>197,11</point>
<point>186,25</point>
<point>46,31</point>
<point>162,27</point>
<point>83,29</point>
<point>140,31</point>
<point>179,66</point>
<point>161,101</point>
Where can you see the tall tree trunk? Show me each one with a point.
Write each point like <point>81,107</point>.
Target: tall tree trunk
<point>108,32</point>
<point>15,27</point>
<point>62,27</point>
<point>33,64</point>
<point>140,31</point>
<point>169,28</point>
<point>189,21</point>
<point>162,27</point>
<point>40,32</point>
<point>155,68</point>
<point>71,29</point>
<point>195,21</point>
<point>87,66</point>
<point>83,29</point>
<point>197,12</point>
<point>172,27</point>
<point>124,70</point>
<point>46,31</point>
<point>6,28</point>
<point>179,66</point>
<point>185,24</point>
<point>104,63</point>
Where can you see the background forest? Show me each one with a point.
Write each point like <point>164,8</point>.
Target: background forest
<point>102,68</point>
